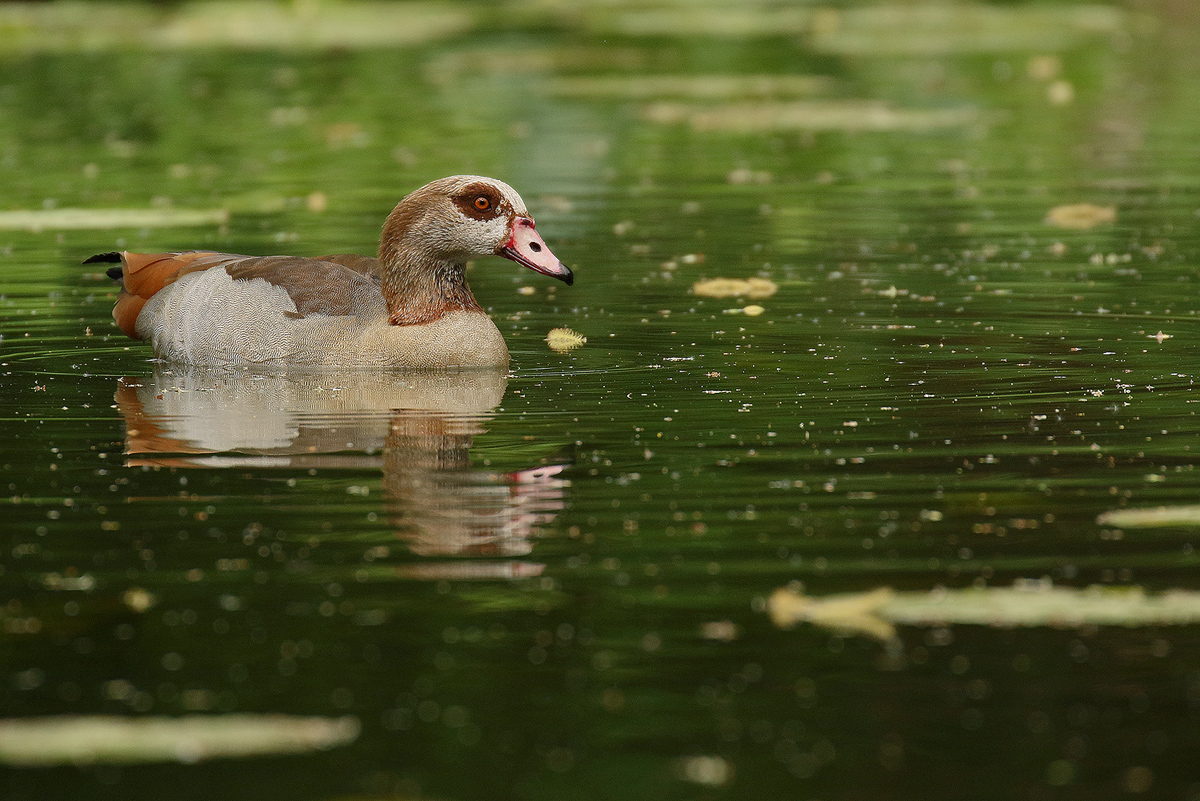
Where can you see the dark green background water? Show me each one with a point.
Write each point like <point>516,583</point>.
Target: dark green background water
<point>517,602</point>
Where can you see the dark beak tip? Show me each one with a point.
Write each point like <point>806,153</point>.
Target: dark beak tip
<point>568,277</point>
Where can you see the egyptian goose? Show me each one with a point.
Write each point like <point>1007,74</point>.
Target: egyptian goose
<point>410,307</point>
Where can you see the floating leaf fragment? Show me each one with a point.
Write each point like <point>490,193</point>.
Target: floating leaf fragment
<point>857,613</point>
<point>1026,603</point>
<point>753,310</point>
<point>562,340</point>
<point>720,630</point>
<point>756,288</point>
<point>711,87</point>
<point>714,771</point>
<point>72,27</point>
<point>731,20</point>
<point>745,175</point>
<point>1081,216</point>
<point>95,219</point>
<point>932,29</point>
<point>808,115</point>
<point>138,599</point>
<point>111,739</point>
<point>1060,93</point>
<point>1151,517</point>
<point>57,581</point>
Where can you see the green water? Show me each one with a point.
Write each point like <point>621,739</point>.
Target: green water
<point>551,584</point>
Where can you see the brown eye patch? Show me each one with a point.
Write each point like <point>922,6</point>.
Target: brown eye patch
<point>479,201</point>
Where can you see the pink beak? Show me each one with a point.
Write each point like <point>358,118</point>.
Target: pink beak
<point>525,247</point>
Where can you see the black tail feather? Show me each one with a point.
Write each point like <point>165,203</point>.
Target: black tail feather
<point>115,273</point>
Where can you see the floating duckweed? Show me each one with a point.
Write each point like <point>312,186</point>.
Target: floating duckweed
<point>756,288</point>
<point>562,340</point>
<point>1081,216</point>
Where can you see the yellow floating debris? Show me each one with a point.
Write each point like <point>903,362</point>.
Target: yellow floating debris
<point>756,288</point>
<point>1081,216</point>
<point>753,310</point>
<point>94,219</point>
<point>562,340</point>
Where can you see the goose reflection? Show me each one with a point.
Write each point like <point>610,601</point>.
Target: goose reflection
<point>416,428</point>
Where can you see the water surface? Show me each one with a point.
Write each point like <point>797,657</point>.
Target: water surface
<point>552,582</point>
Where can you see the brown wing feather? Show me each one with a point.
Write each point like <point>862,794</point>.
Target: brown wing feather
<point>126,313</point>
<point>334,285</point>
<point>316,286</point>
<point>144,274</point>
<point>367,265</point>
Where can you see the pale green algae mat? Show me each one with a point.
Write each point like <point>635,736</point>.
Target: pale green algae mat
<point>857,463</point>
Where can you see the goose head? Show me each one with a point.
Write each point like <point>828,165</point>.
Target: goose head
<point>463,217</point>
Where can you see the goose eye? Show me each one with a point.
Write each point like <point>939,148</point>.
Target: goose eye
<point>482,203</point>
